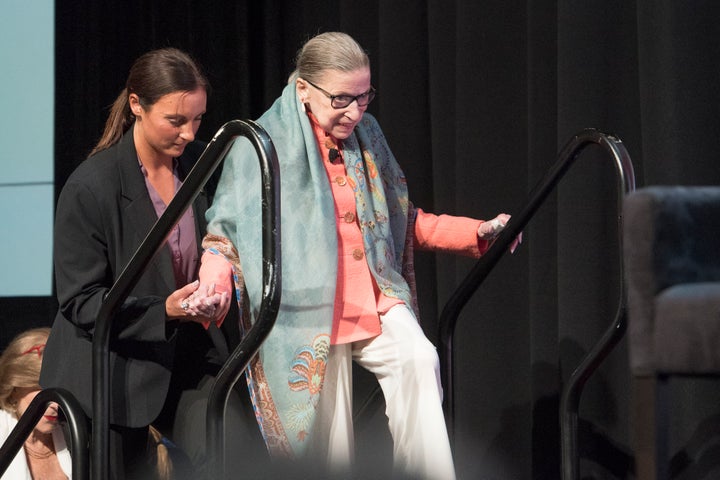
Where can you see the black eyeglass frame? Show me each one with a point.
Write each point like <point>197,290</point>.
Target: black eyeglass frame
<point>370,95</point>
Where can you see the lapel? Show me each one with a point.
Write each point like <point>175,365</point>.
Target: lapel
<point>185,163</point>
<point>138,210</point>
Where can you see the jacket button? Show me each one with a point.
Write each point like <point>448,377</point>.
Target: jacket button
<point>358,254</point>
<point>340,180</point>
<point>349,217</point>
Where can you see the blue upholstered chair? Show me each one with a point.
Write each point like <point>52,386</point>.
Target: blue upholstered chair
<point>672,266</point>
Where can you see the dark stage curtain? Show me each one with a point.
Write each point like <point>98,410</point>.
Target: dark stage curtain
<point>476,99</point>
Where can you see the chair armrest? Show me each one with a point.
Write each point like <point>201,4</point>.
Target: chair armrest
<point>671,236</point>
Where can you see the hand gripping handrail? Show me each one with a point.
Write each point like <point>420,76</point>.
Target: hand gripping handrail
<point>194,182</point>
<point>448,319</point>
<point>77,429</point>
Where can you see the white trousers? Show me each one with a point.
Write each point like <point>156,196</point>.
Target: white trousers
<point>407,368</point>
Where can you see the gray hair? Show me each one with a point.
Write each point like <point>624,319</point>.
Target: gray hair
<point>328,51</point>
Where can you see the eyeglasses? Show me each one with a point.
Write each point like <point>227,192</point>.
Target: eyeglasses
<point>35,348</point>
<point>342,101</point>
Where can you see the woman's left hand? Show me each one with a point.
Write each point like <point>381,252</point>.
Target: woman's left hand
<point>490,229</point>
<point>206,303</point>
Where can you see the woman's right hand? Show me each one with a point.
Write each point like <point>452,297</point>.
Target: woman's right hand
<point>196,303</point>
<point>216,287</point>
<point>210,302</point>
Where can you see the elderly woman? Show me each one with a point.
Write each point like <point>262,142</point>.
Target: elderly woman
<point>347,230</point>
<point>44,453</point>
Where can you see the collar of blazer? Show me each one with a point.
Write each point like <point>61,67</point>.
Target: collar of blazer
<point>138,206</point>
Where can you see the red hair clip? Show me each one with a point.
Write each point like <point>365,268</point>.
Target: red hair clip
<point>35,348</point>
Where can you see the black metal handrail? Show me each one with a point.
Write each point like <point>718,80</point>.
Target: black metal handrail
<point>77,429</point>
<point>193,184</point>
<point>252,340</point>
<point>451,311</point>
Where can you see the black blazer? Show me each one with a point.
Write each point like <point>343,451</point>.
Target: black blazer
<point>104,212</point>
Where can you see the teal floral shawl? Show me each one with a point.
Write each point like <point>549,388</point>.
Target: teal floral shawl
<point>286,378</point>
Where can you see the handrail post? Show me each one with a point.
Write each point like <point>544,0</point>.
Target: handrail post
<point>451,311</point>
<point>195,180</point>
<point>570,398</point>
<point>237,362</point>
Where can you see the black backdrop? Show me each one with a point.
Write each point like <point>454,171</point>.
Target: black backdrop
<point>476,99</point>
